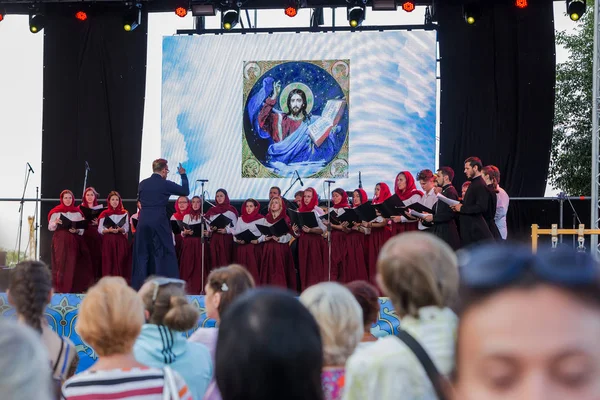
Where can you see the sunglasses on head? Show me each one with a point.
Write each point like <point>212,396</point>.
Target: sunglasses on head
<point>493,266</point>
<point>158,282</point>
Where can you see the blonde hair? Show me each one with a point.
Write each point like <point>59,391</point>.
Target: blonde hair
<point>111,317</point>
<point>171,307</point>
<point>416,270</point>
<point>339,317</point>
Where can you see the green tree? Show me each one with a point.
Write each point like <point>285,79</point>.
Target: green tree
<point>570,157</point>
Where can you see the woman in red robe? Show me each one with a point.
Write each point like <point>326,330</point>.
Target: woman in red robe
<point>92,238</point>
<point>116,254</point>
<point>339,250</point>
<point>71,263</point>
<point>221,242</point>
<point>379,232</point>
<point>182,208</point>
<point>248,254</point>
<point>312,249</point>
<point>277,263</point>
<point>190,264</point>
<point>356,257</point>
<point>406,189</point>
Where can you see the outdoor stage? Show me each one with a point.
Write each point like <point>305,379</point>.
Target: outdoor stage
<point>63,309</point>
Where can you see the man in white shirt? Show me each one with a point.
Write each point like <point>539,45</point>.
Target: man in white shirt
<point>501,205</point>
<point>426,179</point>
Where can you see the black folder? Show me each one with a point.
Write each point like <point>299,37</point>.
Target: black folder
<point>247,236</point>
<point>421,208</point>
<point>175,227</point>
<point>68,224</point>
<point>134,222</point>
<point>91,214</point>
<point>350,216</point>
<point>221,222</point>
<point>335,220</point>
<point>109,223</point>
<point>195,228</point>
<point>303,219</point>
<point>278,229</point>
<point>366,212</point>
<point>391,207</point>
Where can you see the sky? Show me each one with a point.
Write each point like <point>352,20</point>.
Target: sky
<point>21,66</point>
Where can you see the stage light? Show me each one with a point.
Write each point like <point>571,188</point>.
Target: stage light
<point>229,18</point>
<point>471,13</point>
<point>2,14</point>
<point>408,6</point>
<point>291,11</point>
<point>203,10</point>
<point>521,3</point>
<point>81,15</point>
<point>356,15</point>
<point>575,9</point>
<point>36,22</point>
<point>132,18</point>
<point>181,11</point>
<point>384,5</point>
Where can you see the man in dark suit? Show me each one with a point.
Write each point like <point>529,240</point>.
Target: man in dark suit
<point>443,223</point>
<point>154,249</point>
<point>473,227</point>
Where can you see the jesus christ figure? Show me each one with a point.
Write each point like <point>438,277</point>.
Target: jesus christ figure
<point>282,125</point>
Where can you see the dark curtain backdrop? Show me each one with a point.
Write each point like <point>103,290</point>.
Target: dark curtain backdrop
<point>94,85</point>
<point>497,92</point>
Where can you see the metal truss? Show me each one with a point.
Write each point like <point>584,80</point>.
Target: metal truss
<point>595,223</point>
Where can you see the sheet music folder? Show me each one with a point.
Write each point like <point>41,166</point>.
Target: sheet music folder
<point>246,236</point>
<point>109,223</point>
<point>303,219</point>
<point>221,222</point>
<point>196,228</point>
<point>90,213</point>
<point>366,212</point>
<point>391,207</point>
<point>278,229</point>
<point>68,224</point>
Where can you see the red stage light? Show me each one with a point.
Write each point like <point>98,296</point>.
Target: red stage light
<point>181,11</point>
<point>521,3</point>
<point>291,11</point>
<point>81,15</point>
<point>1,17</point>
<point>408,6</point>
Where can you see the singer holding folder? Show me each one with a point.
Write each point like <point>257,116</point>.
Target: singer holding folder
<point>380,232</point>
<point>246,250</point>
<point>221,242</point>
<point>113,225</point>
<point>91,210</point>
<point>407,191</point>
<point>190,264</point>
<point>154,251</point>
<point>71,262</point>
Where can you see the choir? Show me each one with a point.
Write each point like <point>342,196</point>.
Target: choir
<point>278,245</point>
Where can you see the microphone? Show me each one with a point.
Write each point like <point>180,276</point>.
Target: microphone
<point>201,180</point>
<point>359,181</point>
<point>30,169</point>
<point>87,166</point>
<point>300,179</point>
<point>329,181</point>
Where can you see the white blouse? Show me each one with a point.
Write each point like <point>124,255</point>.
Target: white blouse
<point>73,216</point>
<point>241,226</point>
<point>116,218</point>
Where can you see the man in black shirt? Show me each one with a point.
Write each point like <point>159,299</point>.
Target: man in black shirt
<point>443,223</point>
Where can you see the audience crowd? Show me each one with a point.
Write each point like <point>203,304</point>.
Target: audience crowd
<point>496,322</point>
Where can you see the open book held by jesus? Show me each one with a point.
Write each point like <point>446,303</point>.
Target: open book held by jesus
<point>332,113</point>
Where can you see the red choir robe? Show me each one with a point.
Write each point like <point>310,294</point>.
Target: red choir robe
<point>409,195</point>
<point>221,244</point>
<point>248,254</point>
<point>191,269</point>
<point>92,238</point>
<point>116,252</point>
<point>312,249</point>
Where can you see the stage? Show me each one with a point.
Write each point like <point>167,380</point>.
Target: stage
<point>62,317</point>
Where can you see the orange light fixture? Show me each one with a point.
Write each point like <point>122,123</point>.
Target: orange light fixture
<point>181,11</point>
<point>81,15</point>
<point>408,6</point>
<point>291,11</point>
<point>521,3</point>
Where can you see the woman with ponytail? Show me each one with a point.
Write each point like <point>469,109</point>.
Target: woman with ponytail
<point>190,263</point>
<point>30,291</point>
<point>161,343</point>
<point>92,238</point>
<point>116,256</point>
<point>71,262</point>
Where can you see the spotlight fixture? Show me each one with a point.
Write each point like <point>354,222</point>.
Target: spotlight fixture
<point>36,22</point>
<point>2,14</point>
<point>202,10</point>
<point>81,15</point>
<point>521,4</point>
<point>471,13</point>
<point>575,9</point>
<point>181,11</point>
<point>132,18</point>
<point>229,18</point>
<point>291,11</point>
<point>356,15</point>
<point>408,6</point>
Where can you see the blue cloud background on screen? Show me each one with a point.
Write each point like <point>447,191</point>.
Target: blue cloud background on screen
<point>392,110</point>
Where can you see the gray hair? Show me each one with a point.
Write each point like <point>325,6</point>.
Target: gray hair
<point>339,317</point>
<point>25,364</point>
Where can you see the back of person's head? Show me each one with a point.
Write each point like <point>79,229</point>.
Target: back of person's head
<point>166,304</point>
<point>24,364</point>
<point>416,269</point>
<point>269,348</point>
<point>159,164</point>
<point>339,317</point>
<point>110,317</point>
<point>529,325</point>
<point>229,283</point>
<point>368,299</point>
<point>29,291</point>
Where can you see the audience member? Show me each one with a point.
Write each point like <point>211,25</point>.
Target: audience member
<point>419,273</point>
<point>340,322</point>
<point>110,319</point>
<point>223,286</point>
<point>529,325</point>
<point>269,348</point>
<point>26,374</point>
<point>168,313</point>
<point>30,291</point>
<point>368,299</point>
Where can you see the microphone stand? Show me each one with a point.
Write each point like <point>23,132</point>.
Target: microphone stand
<point>20,231</point>
<point>329,230</point>
<point>87,169</point>
<point>202,236</point>
<point>291,186</point>
<point>37,220</point>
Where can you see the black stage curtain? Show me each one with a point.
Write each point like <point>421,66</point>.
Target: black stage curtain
<point>94,86</point>
<point>497,91</point>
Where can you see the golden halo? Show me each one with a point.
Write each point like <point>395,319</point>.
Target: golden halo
<point>310,101</point>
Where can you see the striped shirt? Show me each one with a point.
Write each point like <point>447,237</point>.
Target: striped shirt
<point>132,384</point>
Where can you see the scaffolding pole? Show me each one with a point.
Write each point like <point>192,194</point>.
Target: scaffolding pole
<point>595,131</point>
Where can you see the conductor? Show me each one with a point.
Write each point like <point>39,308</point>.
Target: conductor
<point>154,250</point>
